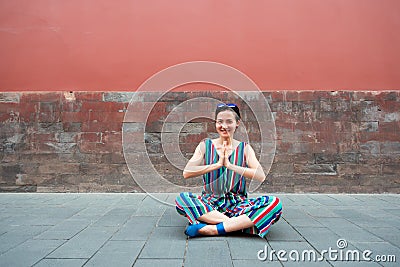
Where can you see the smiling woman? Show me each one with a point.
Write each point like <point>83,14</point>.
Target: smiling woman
<point>224,164</point>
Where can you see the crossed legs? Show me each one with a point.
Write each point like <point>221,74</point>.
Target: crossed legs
<point>230,224</point>
<point>257,214</point>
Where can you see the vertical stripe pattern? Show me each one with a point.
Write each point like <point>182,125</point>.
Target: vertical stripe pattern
<point>225,191</point>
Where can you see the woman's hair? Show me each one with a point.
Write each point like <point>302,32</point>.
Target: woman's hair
<point>230,107</point>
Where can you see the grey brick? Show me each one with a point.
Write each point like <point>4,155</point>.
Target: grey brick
<point>28,253</point>
<point>319,237</point>
<point>348,230</point>
<point>246,246</point>
<point>282,231</point>
<point>165,242</point>
<point>123,97</point>
<point>381,249</point>
<point>61,262</point>
<point>303,200</point>
<point>117,253</point>
<point>136,228</point>
<point>64,230</point>
<point>158,262</point>
<point>172,218</point>
<point>255,263</point>
<point>389,234</point>
<point>18,235</point>
<point>289,259</point>
<point>208,253</point>
<point>85,244</point>
<point>152,207</point>
<point>326,200</point>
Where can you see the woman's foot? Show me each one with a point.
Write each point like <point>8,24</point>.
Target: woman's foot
<point>217,229</point>
<point>194,230</point>
<point>209,230</point>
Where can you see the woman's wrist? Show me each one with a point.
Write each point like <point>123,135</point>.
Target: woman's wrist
<point>217,165</point>
<point>238,169</point>
<point>228,165</point>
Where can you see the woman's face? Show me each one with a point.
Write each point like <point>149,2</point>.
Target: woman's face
<point>226,123</point>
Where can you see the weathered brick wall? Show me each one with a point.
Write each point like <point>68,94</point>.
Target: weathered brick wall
<point>340,141</point>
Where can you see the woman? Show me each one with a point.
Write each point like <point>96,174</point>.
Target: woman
<point>224,164</point>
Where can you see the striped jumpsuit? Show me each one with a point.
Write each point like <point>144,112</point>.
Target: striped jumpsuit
<point>225,191</point>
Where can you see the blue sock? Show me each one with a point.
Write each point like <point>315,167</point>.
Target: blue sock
<point>221,229</point>
<point>193,229</point>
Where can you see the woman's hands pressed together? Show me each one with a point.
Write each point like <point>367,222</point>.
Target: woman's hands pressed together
<point>224,152</point>
<point>195,165</point>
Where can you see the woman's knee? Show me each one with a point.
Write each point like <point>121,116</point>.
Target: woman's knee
<point>278,202</point>
<point>269,200</point>
<point>182,197</point>
<point>185,199</point>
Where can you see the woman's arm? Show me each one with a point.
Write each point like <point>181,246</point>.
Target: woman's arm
<point>254,170</point>
<point>195,168</point>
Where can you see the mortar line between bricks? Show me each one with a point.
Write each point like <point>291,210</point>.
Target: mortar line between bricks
<point>272,248</point>
<point>379,263</point>
<point>87,226</point>
<point>383,199</point>
<point>308,242</point>
<point>140,252</point>
<point>33,237</point>
<point>326,196</point>
<point>29,238</point>
<point>230,252</point>
<point>13,246</point>
<point>65,241</point>
<point>111,236</point>
<point>148,237</point>
<point>366,229</point>
<point>97,251</point>
<point>186,250</point>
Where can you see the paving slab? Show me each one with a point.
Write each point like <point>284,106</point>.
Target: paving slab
<point>306,220</point>
<point>158,262</point>
<point>383,253</point>
<point>255,263</point>
<point>320,212</point>
<point>64,230</point>
<point>293,253</point>
<point>152,205</point>
<point>294,212</point>
<point>302,200</point>
<point>349,231</point>
<point>61,262</point>
<point>171,218</point>
<point>116,253</point>
<point>346,200</point>
<point>208,253</point>
<point>283,231</point>
<point>355,264</point>
<point>165,243</point>
<point>326,200</point>
<point>319,237</point>
<point>114,217</point>
<point>136,228</point>
<point>29,252</point>
<point>18,235</point>
<point>389,234</point>
<point>245,247</point>
<point>85,244</point>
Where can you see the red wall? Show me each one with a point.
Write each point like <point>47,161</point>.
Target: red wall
<point>280,44</point>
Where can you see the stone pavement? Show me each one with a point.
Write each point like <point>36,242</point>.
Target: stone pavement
<point>137,230</point>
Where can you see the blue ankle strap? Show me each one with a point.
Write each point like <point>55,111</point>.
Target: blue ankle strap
<point>221,229</point>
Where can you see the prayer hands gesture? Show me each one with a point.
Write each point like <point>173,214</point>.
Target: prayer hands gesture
<point>224,152</point>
